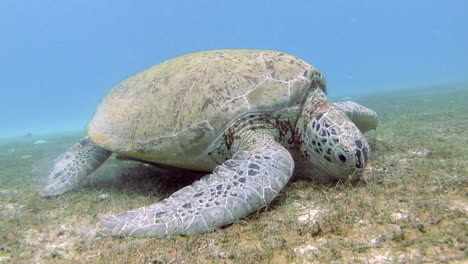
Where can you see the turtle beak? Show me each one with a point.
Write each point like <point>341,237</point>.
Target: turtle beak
<point>361,157</point>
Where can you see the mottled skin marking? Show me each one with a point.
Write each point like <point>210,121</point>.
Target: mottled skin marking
<point>249,116</point>
<point>281,122</point>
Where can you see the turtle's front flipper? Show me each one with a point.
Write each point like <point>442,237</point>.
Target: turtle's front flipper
<point>240,186</point>
<point>73,166</point>
<point>364,118</point>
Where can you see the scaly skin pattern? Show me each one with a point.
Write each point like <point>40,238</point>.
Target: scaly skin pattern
<point>280,125</point>
<point>256,113</point>
<point>74,165</point>
<point>238,187</point>
<point>259,164</point>
<point>259,168</point>
<point>331,141</point>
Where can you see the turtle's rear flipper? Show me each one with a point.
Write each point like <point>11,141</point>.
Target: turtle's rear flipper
<point>73,166</point>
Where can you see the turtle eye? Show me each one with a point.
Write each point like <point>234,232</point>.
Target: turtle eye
<point>341,156</point>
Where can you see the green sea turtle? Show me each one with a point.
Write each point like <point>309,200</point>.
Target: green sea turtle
<point>249,116</point>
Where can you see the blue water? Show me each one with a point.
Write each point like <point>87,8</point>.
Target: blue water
<point>59,58</point>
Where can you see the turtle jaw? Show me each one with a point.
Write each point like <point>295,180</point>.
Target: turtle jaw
<point>334,146</point>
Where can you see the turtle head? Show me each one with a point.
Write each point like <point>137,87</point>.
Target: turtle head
<point>331,142</point>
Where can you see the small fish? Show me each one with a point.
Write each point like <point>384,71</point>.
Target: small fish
<point>40,142</point>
